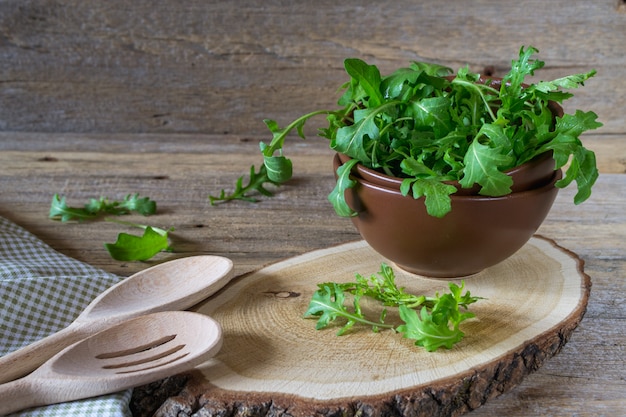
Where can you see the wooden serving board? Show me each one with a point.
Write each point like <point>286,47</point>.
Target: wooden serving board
<point>274,362</point>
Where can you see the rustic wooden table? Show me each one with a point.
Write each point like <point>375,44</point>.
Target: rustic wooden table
<point>166,100</point>
<point>586,378</point>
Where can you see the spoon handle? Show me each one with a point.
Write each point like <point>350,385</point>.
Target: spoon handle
<point>25,360</point>
<point>18,395</point>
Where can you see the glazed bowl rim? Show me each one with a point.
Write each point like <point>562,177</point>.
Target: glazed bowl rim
<point>398,180</point>
<point>556,176</point>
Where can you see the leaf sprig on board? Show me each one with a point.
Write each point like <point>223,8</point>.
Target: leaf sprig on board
<point>432,322</point>
<point>424,127</point>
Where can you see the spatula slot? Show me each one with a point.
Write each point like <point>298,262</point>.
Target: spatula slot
<point>137,349</point>
<point>146,359</point>
<point>160,364</point>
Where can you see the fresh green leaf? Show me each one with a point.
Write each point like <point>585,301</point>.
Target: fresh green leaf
<point>576,124</point>
<point>382,287</point>
<point>511,87</point>
<point>351,140</point>
<point>434,113</point>
<point>566,147</point>
<point>583,170</point>
<point>328,305</point>
<point>279,169</point>
<point>133,203</point>
<point>138,248</point>
<point>337,197</point>
<point>569,82</point>
<point>59,210</point>
<point>462,299</point>
<point>256,184</point>
<point>433,70</point>
<point>482,92</point>
<point>394,85</point>
<point>436,193</point>
<point>355,139</point>
<point>498,139</point>
<point>426,332</point>
<point>482,166</point>
<point>368,78</point>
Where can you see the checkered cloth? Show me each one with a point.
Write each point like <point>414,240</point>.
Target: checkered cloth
<point>41,292</point>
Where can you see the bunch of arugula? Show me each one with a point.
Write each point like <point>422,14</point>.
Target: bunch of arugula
<point>433,322</point>
<point>418,125</point>
<point>127,247</point>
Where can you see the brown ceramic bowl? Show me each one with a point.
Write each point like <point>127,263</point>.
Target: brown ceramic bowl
<point>479,231</point>
<point>533,174</point>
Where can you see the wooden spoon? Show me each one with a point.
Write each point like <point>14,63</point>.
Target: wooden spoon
<point>173,285</point>
<point>132,353</point>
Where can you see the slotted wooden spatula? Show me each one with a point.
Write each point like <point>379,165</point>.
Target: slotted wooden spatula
<point>129,354</point>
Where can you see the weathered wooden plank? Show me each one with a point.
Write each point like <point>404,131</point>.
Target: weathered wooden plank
<point>610,150</point>
<point>214,67</point>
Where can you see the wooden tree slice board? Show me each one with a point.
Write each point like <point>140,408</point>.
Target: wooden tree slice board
<point>274,362</point>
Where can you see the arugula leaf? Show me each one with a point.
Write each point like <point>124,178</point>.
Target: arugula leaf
<point>279,169</point>
<point>574,125</point>
<point>356,139</point>
<point>569,82</point>
<point>582,169</point>
<point>397,84</point>
<point>351,140</point>
<point>585,174</point>
<point>439,327</point>
<point>328,304</point>
<point>433,112</point>
<point>367,77</point>
<point>276,169</point>
<point>138,248</point>
<point>433,70</point>
<point>256,183</point>
<point>480,92</point>
<point>482,165</point>
<point>59,210</point>
<point>382,287</point>
<point>463,300</point>
<point>336,197</point>
<point>566,145</point>
<point>132,203</point>
<point>425,331</point>
<point>511,88</point>
<point>436,193</point>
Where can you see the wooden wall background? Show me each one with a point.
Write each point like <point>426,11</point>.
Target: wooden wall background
<point>220,67</point>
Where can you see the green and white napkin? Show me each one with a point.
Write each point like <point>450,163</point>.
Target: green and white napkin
<point>43,291</point>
